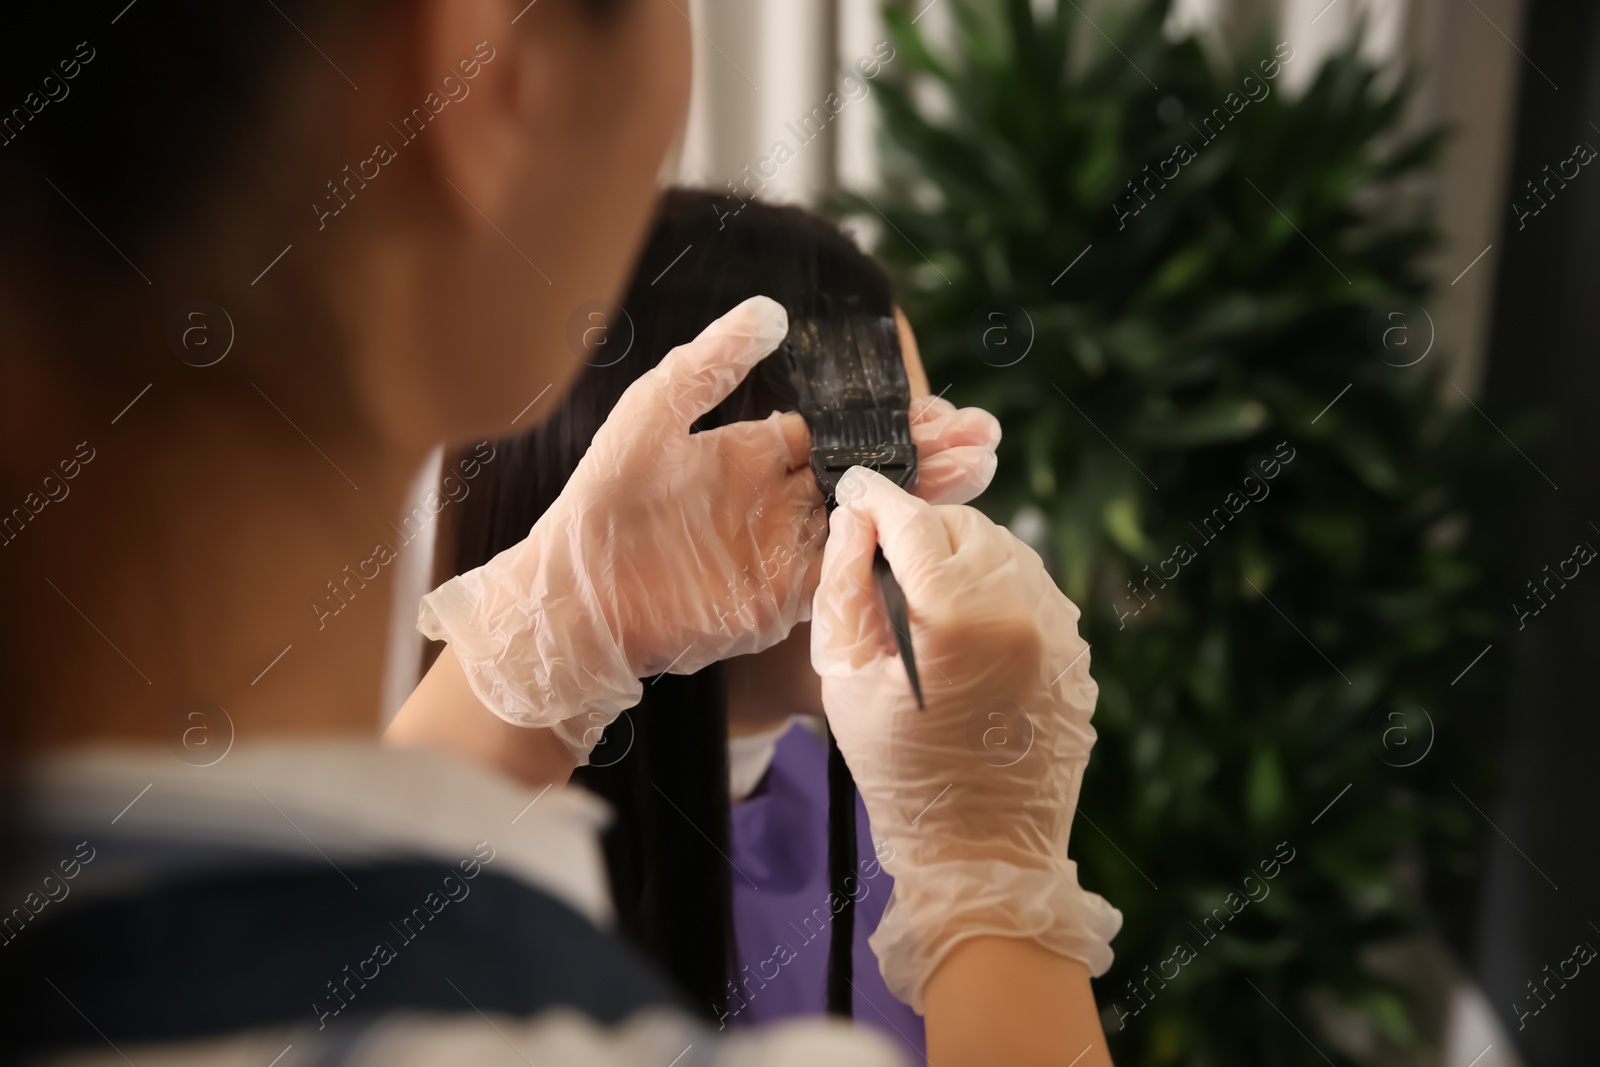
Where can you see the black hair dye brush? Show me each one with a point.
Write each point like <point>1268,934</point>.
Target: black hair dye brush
<point>851,386</point>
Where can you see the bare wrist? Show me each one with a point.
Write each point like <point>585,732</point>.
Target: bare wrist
<point>445,714</point>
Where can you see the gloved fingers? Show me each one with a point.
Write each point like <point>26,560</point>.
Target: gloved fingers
<point>999,602</point>
<point>956,475</point>
<point>774,543</point>
<point>937,424</point>
<point>811,531</point>
<point>1000,576</point>
<point>971,532</point>
<point>910,530</point>
<point>780,444</point>
<point>797,438</point>
<point>693,378</point>
<point>791,528</point>
<point>928,407</point>
<point>845,628</point>
<point>955,450</point>
<point>792,535</point>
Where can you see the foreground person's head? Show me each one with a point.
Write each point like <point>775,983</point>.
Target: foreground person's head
<point>445,180</point>
<point>389,211</point>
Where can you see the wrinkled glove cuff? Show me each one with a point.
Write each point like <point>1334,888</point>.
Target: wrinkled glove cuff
<point>526,667</point>
<point>936,907</point>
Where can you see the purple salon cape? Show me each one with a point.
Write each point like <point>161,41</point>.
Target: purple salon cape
<point>781,913</point>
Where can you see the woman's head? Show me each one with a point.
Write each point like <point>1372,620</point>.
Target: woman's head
<point>704,254</point>
<point>395,202</point>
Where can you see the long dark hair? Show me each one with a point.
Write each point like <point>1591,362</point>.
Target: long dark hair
<point>668,861</point>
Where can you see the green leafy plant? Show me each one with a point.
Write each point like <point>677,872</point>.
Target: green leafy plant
<point>1150,367</point>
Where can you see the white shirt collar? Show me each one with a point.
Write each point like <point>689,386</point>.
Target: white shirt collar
<point>347,801</point>
<point>750,756</point>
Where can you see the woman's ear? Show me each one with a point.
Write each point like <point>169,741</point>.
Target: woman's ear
<point>468,82</point>
<point>912,355</point>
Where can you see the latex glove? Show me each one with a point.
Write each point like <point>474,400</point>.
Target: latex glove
<point>955,450</point>
<point>667,550</point>
<point>974,795</point>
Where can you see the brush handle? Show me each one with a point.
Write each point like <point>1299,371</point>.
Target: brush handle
<point>894,602</point>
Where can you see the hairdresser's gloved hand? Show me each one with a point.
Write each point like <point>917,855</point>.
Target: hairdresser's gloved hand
<point>975,794</point>
<point>955,450</point>
<point>665,550</point>
<point>668,550</point>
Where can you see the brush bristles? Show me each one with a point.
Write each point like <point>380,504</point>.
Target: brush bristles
<point>861,427</point>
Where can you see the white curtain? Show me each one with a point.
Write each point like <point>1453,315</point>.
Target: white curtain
<point>763,72</point>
